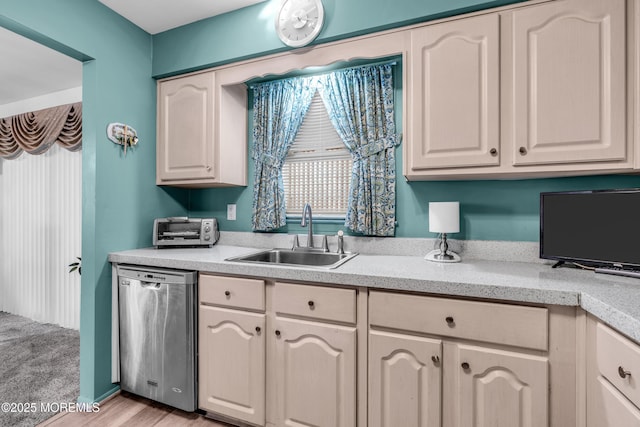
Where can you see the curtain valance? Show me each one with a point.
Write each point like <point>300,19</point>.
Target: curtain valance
<point>34,132</point>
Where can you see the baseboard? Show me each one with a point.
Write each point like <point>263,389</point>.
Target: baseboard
<point>102,398</point>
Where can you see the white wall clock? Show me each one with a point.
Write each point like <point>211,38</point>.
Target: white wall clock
<point>298,22</point>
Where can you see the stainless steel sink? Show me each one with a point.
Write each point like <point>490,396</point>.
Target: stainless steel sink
<point>301,257</point>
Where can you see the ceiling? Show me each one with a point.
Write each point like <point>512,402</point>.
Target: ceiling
<point>29,70</point>
<point>155,16</point>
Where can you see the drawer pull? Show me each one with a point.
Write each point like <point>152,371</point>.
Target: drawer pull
<point>450,321</point>
<point>465,366</point>
<point>435,359</point>
<point>227,294</point>
<point>277,333</point>
<point>311,304</point>
<point>258,330</point>
<point>623,373</point>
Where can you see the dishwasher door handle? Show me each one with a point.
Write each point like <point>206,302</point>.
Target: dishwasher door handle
<point>150,285</point>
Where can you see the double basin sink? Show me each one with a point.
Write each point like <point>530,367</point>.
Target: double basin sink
<point>297,257</point>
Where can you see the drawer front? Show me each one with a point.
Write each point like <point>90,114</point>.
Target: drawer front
<point>315,302</point>
<point>232,292</point>
<point>518,326</point>
<point>619,361</point>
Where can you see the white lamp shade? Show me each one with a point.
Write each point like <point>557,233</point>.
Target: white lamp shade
<point>444,217</point>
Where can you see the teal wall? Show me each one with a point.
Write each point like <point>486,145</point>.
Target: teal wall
<point>249,32</point>
<point>119,196</point>
<point>490,210</point>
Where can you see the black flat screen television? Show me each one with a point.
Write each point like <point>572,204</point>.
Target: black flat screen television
<point>599,228</point>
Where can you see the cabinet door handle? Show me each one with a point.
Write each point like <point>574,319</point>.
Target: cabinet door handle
<point>465,366</point>
<point>450,321</point>
<point>435,359</point>
<point>227,293</point>
<point>523,151</point>
<point>623,373</point>
<point>258,330</point>
<point>311,304</point>
<point>277,333</point>
<point>208,168</point>
<point>493,152</point>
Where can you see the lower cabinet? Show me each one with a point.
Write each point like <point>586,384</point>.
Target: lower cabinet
<point>405,380</point>
<point>417,380</point>
<point>315,368</point>
<point>490,387</point>
<point>613,369</point>
<point>313,357</point>
<point>481,387</point>
<point>284,354</point>
<point>232,372</point>
<point>231,348</point>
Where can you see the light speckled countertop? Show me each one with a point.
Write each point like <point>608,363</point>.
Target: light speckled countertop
<point>614,299</point>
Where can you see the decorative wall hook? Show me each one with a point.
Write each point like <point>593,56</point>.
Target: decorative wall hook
<point>122,134</point>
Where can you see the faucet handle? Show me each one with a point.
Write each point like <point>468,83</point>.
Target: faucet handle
<point>325,244</point>
<point>340,249</point>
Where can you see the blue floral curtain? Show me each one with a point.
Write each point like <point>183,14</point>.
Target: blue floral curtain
<point>360,105</point>
<point>278,110</point>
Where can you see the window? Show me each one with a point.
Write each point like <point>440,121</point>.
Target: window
<point>317,169</point>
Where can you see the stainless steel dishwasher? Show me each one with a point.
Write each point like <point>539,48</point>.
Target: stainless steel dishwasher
<point>157,310</point>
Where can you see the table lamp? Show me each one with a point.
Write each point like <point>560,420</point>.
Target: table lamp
<point>444,217</point>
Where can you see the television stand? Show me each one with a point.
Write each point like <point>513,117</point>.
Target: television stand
<point>557,264</point>
<point>618,272</point>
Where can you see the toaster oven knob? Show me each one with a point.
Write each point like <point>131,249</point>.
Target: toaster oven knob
<point>207,237</point>
<point>207,229</point>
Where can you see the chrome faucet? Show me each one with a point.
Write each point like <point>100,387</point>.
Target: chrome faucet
<point>307,211</point>
<point>340,249</point>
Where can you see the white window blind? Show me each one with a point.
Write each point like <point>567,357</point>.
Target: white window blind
<point>317,169</point>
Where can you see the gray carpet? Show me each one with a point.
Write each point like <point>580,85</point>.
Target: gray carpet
<point>39,363</point>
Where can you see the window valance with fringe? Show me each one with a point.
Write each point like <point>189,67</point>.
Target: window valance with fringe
<point>36,131</point>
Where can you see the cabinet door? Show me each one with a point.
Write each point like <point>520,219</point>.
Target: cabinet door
<point>185,128</point>
<point>232,363</point>
<point>315,374</point>
<point>404,380</point>
<point>608,407</point>
<point>610,397</point>
<point>454,112</point>
<point>569,77</point>
<point>492,387</point>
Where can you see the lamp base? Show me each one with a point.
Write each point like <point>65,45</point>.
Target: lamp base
<point>436,255</point>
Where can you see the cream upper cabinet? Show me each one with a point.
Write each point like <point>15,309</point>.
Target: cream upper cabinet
<point>613,369</point>
<point>405,380</point>
<point>185,128</point>
<point>231,342</point>
<point>454,89</point>
<point>568,83</point>
<point>533,91</point>
<point>201,130</point>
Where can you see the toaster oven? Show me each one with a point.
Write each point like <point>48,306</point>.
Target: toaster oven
<point>185,232</point>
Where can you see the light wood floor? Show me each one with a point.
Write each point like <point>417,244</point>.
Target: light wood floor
<point>126,409</point>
